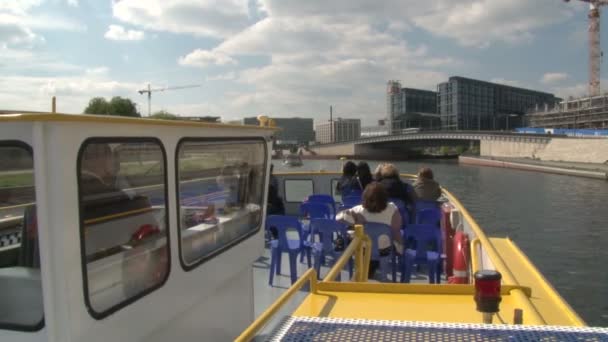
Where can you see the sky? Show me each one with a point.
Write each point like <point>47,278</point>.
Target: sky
<point>281,58</point>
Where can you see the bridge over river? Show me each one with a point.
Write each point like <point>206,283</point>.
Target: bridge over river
<point>490,143</point>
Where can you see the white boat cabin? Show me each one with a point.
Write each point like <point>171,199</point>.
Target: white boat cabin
<point>128,229</point>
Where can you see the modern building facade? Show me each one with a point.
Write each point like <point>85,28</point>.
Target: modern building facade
<point>338,130</point>
<point>468,104</point>
<point>294,131</point>
<point>411,108</point>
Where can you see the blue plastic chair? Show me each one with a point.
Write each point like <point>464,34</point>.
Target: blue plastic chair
<point>429,216</point>
<point>405,217</point>
<point>312,210</point>
<point>422,235</point>
<point>328,230</point>
<point>375,231</point>
<point>327,199</point>
<point>351,201</point>
<point>285,245</point>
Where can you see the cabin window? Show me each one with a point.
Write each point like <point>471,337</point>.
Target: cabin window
<point>221,192</point>
<point>298,190</point>
<point>21,305</point>
<point>123,212</point>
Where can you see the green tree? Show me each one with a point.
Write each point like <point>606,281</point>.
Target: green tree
<point>123,107</point>
<point>98,105</point>
<point>116,106</point>
<point>164,115</point>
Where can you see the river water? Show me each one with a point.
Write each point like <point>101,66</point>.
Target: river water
<point>560,222</point>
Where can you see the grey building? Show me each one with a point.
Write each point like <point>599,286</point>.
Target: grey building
<point>338,130</point>
<point>468,104</point>
<point>294,131</point>
<point>411,108</point>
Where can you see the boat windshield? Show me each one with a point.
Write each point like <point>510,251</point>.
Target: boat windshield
<point>20,285</point>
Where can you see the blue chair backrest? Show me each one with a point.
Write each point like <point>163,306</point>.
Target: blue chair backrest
<point>282,225</point>
<point>424,234</point>
<point>429,216</point>
<point>315,210</point>
<point>322,198</point>
<point>420,205</point>
<point>375,230</point>
<point>353,193</point>
<point>328,230</point>
<point>402,210</point>
<point>351,201</point>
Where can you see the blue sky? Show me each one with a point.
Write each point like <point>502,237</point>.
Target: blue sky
<point>281,57</point>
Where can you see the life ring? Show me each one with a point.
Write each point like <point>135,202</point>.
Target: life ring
<point>461,257</point>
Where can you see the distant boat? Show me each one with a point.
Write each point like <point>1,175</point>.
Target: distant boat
<point>292,160</point>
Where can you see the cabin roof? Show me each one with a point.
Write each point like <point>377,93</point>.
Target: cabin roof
<point>26,116</point>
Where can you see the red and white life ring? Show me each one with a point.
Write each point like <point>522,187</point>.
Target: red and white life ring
<point>461,257</point>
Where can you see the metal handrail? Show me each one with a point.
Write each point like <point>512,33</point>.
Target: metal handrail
<point>356,248</point>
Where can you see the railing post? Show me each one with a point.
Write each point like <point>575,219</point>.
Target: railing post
<point>359,262</point>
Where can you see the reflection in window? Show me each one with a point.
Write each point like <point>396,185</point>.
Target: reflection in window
<point>220,194</point>
<point>20,285</point>
<point>124,232</point>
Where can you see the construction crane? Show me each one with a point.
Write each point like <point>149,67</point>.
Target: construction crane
<point>595,52</point>
<point>150,90</point>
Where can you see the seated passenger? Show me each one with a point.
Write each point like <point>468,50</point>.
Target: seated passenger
<point>376,208</point>
<point>275,202</point>
<point>388,176</point>
<point>364,175</point>
<point>348,183</point>
<point>427,189</point>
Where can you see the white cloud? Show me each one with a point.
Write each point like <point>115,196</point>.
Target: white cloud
<point>117,32</point>
<point>223,77</point>
<point>553,77</point>
<point>73,3</point>
<point>102,70</point>
<point>214,18</point>
<point>12,34</point>
<point>73,92</point>
<point>203,58</point>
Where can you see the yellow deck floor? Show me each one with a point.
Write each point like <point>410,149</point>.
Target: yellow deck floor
<point>553,309</point>
<point>445,303</point>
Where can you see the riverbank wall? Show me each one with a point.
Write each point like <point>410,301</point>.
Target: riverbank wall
<point>538,166</point>
<point>578,150</point>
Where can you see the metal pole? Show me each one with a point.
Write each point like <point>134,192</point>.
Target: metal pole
<point>331,124</point>
<point>54,105</point>
<point>149,100</point>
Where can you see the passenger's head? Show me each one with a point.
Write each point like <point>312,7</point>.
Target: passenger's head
<point>349,169</point>
<point>98,159</point>
<point>425,173</point>
<point>377,171</point>
<point>363,170</point>
<point>389,171</point>
<point>375,197</point>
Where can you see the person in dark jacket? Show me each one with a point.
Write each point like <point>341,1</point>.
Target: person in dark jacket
<point>275,202</point>
<point>426,188</point>
<point>388,176</point>
<point>364,175</point>
<point>348,183</point>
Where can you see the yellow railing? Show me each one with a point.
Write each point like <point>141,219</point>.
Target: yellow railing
<point>476,264</point>
<point>356,248</point>
<point>533,315</point>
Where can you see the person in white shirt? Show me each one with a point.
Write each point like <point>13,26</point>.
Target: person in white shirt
<point>375,207</point>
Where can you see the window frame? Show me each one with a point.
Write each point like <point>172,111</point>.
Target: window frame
<point>85,281</point>
<point>41,324</point>
<point>189,267</point>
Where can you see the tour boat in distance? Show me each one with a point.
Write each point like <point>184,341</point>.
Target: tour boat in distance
<point>292,160</point>
<point>131,229</point>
